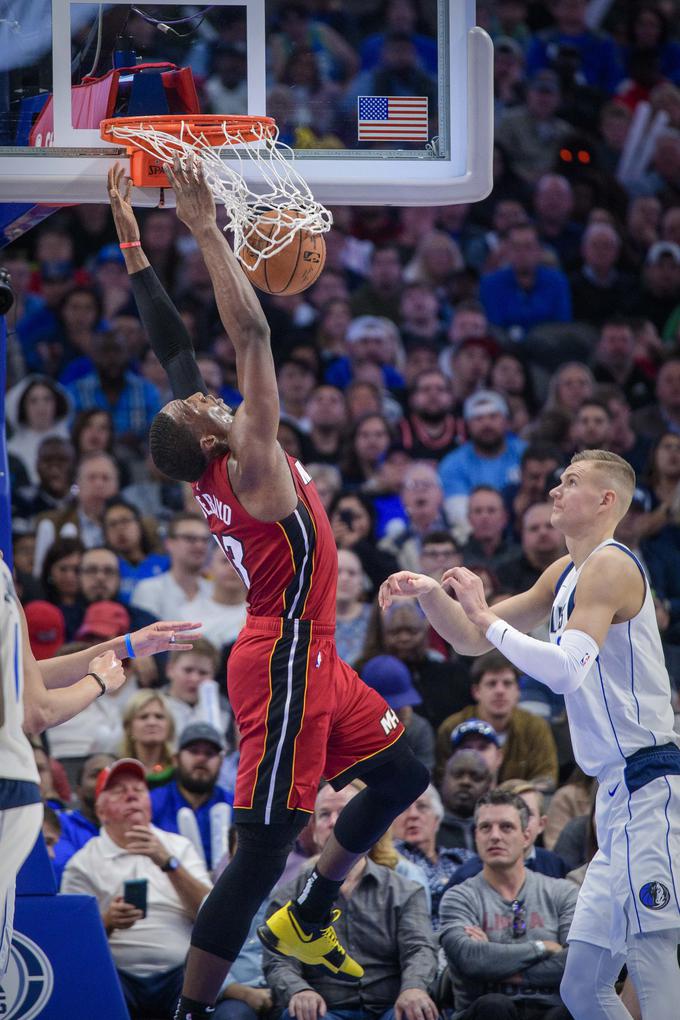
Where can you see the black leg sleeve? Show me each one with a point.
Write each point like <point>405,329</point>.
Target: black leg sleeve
<point>168,334</point>
<point>224,920</point>
<point>390,788</point>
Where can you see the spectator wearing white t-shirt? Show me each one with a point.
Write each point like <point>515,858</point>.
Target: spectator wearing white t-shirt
<point>226,612</point>
<point>148,949</point>
<point>192,694</point>
<point>181,593</point>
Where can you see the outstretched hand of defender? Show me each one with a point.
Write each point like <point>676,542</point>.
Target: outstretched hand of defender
<point>195,202</point>
<point>404,584</point>
<point>119,186</point>
<point>165,636</point>
<point>469,591</point>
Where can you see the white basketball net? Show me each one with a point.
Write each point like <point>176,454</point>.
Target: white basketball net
<point>285,195</point>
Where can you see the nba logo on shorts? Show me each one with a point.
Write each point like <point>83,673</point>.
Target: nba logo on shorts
<point>654,895</point>
<point>27,986</point>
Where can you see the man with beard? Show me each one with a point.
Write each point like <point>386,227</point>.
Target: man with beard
<point>192,803</point>
<point>541,545</point>
<point>490,457</point>
<point>429,429</point>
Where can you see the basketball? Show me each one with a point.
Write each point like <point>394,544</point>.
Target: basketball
<point>290,270</point>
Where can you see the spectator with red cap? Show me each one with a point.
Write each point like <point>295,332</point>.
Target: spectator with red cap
<point>103,621</point>
<point>46,628</point>
<point>148,948</point>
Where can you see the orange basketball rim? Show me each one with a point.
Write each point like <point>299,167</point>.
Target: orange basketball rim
<point>202,130</point>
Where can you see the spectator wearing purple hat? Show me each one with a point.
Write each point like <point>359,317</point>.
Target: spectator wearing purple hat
<point>391,677</point>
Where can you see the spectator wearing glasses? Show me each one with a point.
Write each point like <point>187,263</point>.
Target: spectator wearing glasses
<point>181,593</point>
<point>127,533</point>
<point>100,582</point>
<point>504,932</point>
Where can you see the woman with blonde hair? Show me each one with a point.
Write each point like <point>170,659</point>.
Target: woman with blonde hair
<point>149,733</point>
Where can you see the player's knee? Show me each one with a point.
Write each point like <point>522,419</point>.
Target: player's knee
<point>402,779</point>
<point>269,840</point>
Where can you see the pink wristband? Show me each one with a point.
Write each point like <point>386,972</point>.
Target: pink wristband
<point>130,244</point>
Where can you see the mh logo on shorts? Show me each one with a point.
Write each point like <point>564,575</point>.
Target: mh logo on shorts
<point>654,895</point>
<point>389,721</point>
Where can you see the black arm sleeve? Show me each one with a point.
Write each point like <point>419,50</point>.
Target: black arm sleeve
<point>168,334</point>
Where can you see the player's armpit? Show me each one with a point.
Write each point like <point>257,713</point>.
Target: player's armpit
<point>531,608</point>
<point>610,589</point>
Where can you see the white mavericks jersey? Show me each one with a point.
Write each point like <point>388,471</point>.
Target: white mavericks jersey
<point>624,703</point>
<point>16,756</point>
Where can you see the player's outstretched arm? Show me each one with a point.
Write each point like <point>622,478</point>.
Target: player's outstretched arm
<point>603,591</point>
<point>257,420</point>
<point>164,636</point>
<point>44,708</point>
<point>449,619</point>
<point>167,333</point>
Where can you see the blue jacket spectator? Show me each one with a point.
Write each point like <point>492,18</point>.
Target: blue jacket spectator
<point>490,457</point>
<point>131,400</point>
<point>81,824</point>
<point>600,64</point>
<point>525,293</point>
<point>192,803</point>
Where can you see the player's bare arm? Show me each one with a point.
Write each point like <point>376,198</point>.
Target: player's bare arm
<point>524,611</point>
<point>44,708</point>
<point>164,636</point>
<point>607,592</point>
<point>261,467</point>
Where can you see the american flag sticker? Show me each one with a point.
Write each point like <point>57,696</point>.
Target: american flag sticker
<point>392,117</point>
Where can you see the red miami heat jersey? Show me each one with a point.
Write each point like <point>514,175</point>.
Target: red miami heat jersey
<point>290,566</point>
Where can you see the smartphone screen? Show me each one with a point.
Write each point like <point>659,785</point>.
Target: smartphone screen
<point>134,892</point>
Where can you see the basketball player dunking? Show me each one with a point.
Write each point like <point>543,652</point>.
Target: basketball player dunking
<point>302,712</point>
<point>605,657</point>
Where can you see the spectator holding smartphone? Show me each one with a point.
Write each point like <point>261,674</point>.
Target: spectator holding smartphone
<point>148,949</point>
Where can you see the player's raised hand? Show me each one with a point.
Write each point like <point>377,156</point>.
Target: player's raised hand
<point>469,591</point>
<point>119,186</point>
<point>195,202</point>
<point>164,636</point>
<point>404,584</point>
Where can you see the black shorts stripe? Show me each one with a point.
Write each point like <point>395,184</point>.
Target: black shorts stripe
<point>288,667</point>
<point>301,534</point>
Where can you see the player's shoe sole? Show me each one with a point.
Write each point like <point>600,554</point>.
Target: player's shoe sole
<point>284,934</point>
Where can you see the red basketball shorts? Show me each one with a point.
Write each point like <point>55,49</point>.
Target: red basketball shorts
<point>303,714</point>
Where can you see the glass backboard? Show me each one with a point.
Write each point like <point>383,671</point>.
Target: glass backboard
<point>382,101</point>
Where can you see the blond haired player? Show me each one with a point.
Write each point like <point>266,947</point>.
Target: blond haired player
<point>605,657</point>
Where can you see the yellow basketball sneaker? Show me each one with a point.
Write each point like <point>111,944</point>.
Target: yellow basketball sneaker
<point>285,934</point>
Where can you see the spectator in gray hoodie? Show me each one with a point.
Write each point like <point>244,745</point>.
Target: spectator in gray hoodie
<point>504,932</point>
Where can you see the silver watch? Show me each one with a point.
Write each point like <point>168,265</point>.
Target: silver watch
<point>541,947</point>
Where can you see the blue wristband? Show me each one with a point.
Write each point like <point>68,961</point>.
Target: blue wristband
<point>128,645</point>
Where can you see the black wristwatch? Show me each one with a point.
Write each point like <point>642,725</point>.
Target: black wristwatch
<point>172,864</point>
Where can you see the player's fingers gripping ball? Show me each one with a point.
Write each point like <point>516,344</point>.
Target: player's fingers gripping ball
<point>295,266</point>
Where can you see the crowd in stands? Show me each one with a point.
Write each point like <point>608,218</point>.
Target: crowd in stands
<point>434,381</point>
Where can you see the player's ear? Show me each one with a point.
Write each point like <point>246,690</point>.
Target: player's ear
<point>207,443</point>
<point>608,498</point>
